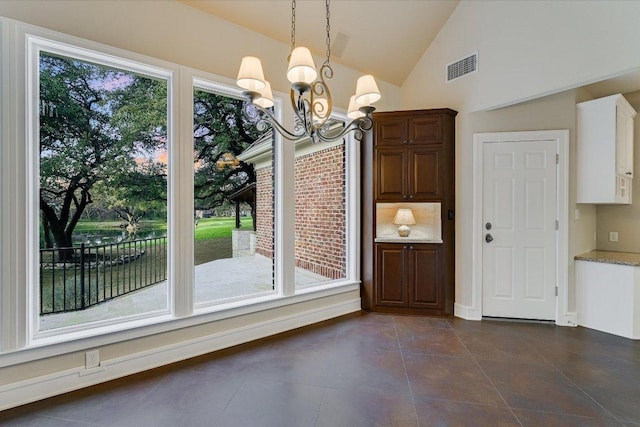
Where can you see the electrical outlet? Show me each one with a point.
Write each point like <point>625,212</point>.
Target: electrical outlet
<point>613,236</point>
<point>92,359</point>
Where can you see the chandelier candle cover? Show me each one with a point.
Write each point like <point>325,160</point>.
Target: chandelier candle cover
<point>404,218</point>
<point>310,95</point>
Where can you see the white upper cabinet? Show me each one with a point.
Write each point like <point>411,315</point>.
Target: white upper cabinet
<point>605,150</point>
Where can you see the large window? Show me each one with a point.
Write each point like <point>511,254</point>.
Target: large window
<point>233,201</point>
<point>148,202</point>
<point>102,193</point>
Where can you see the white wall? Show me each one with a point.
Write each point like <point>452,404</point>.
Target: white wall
<point>527,49</point>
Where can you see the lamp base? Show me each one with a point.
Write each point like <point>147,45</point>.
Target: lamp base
<point>404,231</point>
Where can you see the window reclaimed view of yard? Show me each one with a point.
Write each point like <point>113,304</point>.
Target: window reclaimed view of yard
<point>103,194</point>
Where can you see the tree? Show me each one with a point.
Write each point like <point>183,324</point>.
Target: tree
<point>90,131</point>
<point>220,128</point>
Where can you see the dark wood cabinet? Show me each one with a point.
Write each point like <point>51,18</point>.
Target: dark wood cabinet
<point>407,130</point>
<point>408,174</point>
<point>409,158</point>
<point>408,276</point>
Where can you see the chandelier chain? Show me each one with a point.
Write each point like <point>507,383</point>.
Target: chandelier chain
<point>293,24</point>
<point>328,32</point>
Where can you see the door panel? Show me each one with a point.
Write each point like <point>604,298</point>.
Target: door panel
<point>390,272</point>
<point>391,131</point>
<point>425,130</point>
<point>392,174</point>
<point>424,165</point>
<point>520,203</point>
<point>425,277</point>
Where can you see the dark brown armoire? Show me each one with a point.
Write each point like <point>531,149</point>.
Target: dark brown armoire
<point>408,163</point>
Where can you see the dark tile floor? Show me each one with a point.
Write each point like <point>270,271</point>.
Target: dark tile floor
<point>376,370</point>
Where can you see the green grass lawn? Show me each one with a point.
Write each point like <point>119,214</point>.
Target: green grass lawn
<point>218,227</point>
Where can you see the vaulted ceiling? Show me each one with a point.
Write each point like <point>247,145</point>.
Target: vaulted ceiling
<point>384,38</point>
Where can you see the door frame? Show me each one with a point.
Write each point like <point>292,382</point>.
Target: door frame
<point>561,137</point>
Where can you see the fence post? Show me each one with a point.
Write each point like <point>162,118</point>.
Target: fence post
<point>82,291</point>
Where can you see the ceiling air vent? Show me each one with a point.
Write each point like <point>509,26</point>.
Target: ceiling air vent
<point>462,67</point>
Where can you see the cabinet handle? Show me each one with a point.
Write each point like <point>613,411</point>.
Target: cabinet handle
<point>411,141</point>
<point>404,196</point>
<point>404,247</point>
<point>404,141</point>
<point>411,248</point>
<point>629,173</point>
<point>411,196</point>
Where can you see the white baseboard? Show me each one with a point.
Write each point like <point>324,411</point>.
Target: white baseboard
<point>568,319</point>
<point>466,312</point>
<point>41,387</point>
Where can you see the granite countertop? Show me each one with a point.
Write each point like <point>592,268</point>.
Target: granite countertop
<point>611,257</point>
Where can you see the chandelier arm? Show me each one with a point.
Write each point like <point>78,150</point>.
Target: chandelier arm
<point>298,107</point>
<point>262,117</point>
<point>320,89</point>
<point>359,126</point>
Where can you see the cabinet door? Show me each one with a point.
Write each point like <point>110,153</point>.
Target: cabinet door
<point>390,268</point>
<point>624,143</point>
<point>391,174</point>
<point>425,276</point>
<point>391,131</point>
<point>425,174</point>
<point>425,130</point>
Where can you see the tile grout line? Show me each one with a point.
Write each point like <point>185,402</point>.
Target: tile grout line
<point>555,367</point>
<point>406,373</point>
<point>487,377</point>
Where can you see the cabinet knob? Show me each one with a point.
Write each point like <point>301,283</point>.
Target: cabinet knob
<point>411,141</point>
<point>411,196</point>
<point>404,196</point>
<point>410,247</point>
<point>404,141</point>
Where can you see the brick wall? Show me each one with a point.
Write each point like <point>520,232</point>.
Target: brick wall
<point>264,212</point>
<point>320,212</point>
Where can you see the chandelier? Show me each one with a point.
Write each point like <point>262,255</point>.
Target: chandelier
<point>310,95</point>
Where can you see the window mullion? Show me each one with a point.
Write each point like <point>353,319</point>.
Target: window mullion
<point>181,178</point>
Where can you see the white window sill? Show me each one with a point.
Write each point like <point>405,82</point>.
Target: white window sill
<point>62,343</point>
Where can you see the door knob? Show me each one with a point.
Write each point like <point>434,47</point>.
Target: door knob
<point>488,238</point>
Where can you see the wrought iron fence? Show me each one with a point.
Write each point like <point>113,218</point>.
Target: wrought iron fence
<point>76,278</point>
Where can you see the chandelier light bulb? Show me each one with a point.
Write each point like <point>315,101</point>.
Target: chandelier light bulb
<point>250,75</point>
<point>353,112</point>
<point>367,91</point>
<point>302,69</point>
<point>266,97</point>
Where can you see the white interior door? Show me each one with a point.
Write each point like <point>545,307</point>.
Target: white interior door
<point>519,229</point>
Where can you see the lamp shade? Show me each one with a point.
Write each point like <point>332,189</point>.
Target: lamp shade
<point>266,97</point>
<point>353,112</point>
<point>250,75</point>
<point>302,69</point>
<point>367,91</point>
<point>404,217</point>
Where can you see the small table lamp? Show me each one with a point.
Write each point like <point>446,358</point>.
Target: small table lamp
<point>404,218</point>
